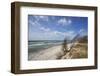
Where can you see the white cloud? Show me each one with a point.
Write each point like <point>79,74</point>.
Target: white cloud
<point>82,32</point>
<point>44,29</point>
<point>34,23</point>
<point>69,34</point>
<point>45,33</point>
<point>57,32</point>
<point>44,18</point>
<point>48,33</point>
<point>64,21</point>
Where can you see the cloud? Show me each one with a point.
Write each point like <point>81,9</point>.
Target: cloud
<point>45,29</point>
<point>33,23</point>
<point>40,31</point>
<point>44,18</point>
<point>69,34</point>
<point>44,33</point>
<point>57,32</point>
<point>64,21</point>
<point>49,33</point>
<point>82,32</point>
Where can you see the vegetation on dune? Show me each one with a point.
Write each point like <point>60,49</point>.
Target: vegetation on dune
<point>78,49</point>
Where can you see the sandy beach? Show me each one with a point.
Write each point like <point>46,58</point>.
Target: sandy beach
<point>47,54</point>
<point>55,52</point>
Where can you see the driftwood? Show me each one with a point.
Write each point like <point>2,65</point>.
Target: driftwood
<point>73,41</point>
<point>65,46</point>
<point>65,49</point>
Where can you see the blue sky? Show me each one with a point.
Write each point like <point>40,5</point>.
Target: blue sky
<point>42,27</point>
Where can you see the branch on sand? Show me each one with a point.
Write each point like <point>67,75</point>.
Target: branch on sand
<point>66,50</point>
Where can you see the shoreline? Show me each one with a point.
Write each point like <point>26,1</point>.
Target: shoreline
<point>49,53</point>
<point>56,52</point>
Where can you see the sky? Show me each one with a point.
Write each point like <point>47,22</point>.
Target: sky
<point>41,27</point>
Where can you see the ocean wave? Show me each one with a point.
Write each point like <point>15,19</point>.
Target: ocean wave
<point>42,44</point>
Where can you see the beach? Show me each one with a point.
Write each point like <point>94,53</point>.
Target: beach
<point>47,54</point>
<point>55,52</point>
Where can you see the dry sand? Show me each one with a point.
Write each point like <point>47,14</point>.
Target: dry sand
<point>47,54</point>
<point>79,51</point>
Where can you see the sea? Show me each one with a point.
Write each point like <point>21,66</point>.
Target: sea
<point>37,45</point>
